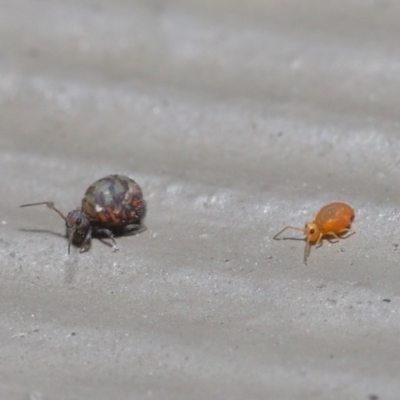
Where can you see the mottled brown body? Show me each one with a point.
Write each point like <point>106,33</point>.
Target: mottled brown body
<point>111,205</point>
<point>114,201</point>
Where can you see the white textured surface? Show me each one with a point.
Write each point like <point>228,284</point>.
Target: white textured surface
<point>236,118</point>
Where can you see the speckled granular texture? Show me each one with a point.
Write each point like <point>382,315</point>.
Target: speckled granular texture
<point>236,119</point>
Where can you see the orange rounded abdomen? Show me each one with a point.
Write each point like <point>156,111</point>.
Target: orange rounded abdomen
<point>334,217</point>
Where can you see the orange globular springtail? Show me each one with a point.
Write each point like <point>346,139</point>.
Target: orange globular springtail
<point>333,220</point>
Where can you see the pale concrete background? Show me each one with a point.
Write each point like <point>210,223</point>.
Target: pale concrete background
<point>236,118</point>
